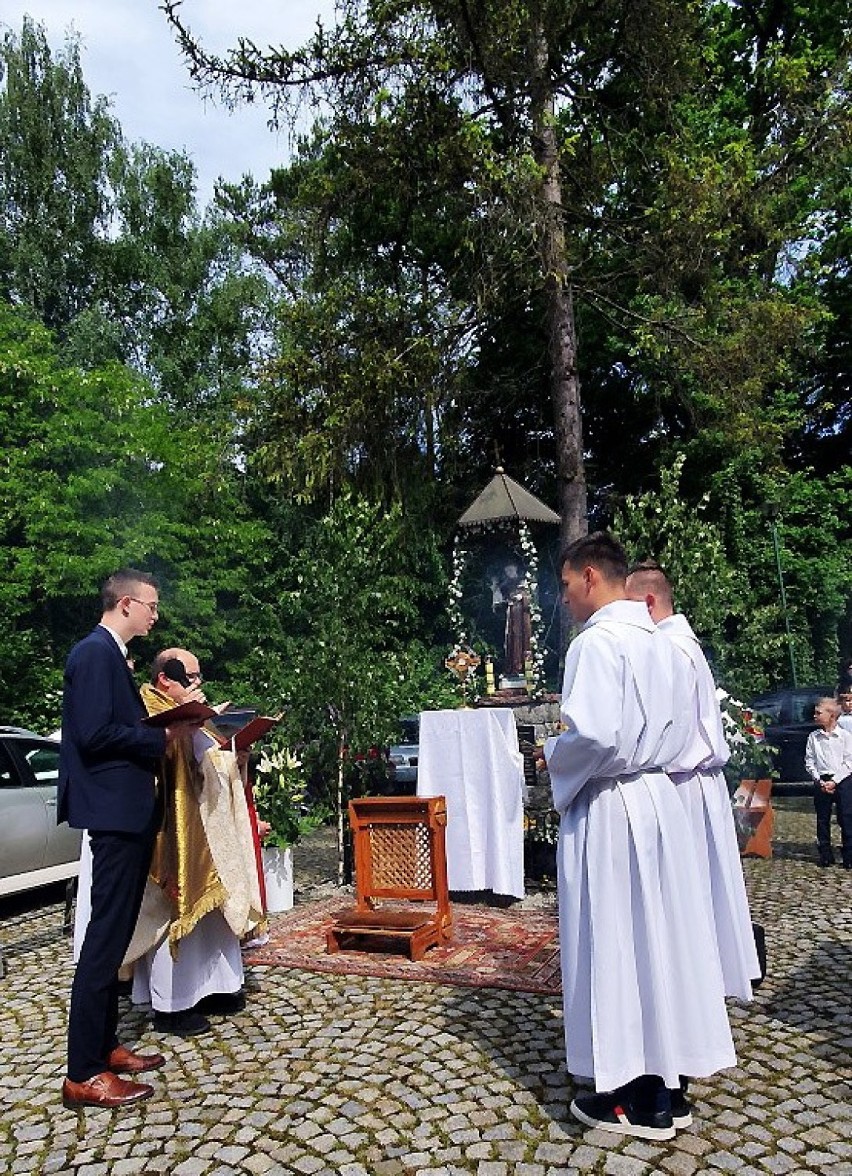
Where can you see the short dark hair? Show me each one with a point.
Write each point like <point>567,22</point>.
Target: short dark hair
<point>600,550</point>
<point>646,565</point>
<point>648,576</point>
<point>122,583</point>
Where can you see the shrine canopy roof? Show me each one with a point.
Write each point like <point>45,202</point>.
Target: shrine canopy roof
<point>503,498</point>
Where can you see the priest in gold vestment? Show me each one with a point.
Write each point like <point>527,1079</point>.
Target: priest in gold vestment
<point>203,893</point>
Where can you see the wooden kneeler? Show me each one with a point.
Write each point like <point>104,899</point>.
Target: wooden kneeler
<point>754,818</point>
<point>400,854</point>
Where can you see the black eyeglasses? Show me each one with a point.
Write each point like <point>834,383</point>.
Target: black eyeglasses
<point>194,676</point>
<point>152,605</point>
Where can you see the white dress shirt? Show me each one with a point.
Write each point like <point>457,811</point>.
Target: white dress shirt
<point>829,753</point>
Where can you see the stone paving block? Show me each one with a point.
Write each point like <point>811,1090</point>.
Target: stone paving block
<point>479,1151</point>
<point>194,1166</point>
<point>724,1161</point>
<point>379,1070</point>
<point>820,1160</point>
<point>310,1165</point>
<point>780,1163</point>
<point>449,1155</point>
<point>557,1153</point>
<point>621,1164</point>
<point>679,1164</point>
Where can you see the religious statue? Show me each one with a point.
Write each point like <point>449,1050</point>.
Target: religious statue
<point>510,591</point>
<point>518,631</point>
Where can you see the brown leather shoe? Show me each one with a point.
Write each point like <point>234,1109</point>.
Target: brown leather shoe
<point>104,1090</point>
<point>124,1061</point>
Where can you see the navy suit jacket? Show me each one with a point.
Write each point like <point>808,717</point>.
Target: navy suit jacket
<point>107,756</point>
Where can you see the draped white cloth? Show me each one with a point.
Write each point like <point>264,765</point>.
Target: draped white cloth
<point>471,757</point>
<point>642,983</point>
<point>704,793</point>
<point>208,960</point>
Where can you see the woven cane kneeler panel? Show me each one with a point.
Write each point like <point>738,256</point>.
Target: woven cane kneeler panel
<point>400,856</point>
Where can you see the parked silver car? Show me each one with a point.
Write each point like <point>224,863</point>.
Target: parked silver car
<point>34,850</point>
<point>403,757</point>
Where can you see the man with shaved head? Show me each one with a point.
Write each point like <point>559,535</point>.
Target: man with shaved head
<point>702,788</point>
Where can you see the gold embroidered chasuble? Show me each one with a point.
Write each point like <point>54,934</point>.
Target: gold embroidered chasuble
<point>204,855</point>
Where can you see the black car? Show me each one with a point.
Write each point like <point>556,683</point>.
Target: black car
<point>786,718</point>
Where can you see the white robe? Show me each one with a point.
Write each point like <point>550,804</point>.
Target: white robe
<point>704,792</point>
<point>642,985</point>
<point>209,960</point>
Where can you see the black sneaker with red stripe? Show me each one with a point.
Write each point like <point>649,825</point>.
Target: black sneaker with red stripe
<point>615,1112</point>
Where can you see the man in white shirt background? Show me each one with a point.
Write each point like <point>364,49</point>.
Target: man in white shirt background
<point>845,700</point>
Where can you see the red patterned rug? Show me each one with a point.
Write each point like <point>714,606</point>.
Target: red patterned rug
<point>490,948</point>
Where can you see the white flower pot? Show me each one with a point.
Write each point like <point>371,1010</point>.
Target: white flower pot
<point>278,878</point>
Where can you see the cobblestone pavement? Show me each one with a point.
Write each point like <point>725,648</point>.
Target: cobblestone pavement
<point>356,1076</point>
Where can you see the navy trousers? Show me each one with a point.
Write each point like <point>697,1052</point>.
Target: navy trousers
<point>120,864</point>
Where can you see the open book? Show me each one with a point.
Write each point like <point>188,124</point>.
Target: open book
<point>185,712</point>
<point>226,723</point>
<point>253,730</point>
<point>236,729</point>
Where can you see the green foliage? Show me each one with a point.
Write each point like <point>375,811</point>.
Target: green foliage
<point>719,553</point>
<point>348,617</point>
<point>751,757</point>
<point>95,475</point>
<point>55,145</point>
<point>682,537</point>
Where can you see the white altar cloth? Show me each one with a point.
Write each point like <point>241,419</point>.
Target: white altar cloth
<point>471,757</point>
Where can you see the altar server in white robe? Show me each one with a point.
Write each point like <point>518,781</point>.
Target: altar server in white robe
<point>642,985</point>
<point>704,792</point>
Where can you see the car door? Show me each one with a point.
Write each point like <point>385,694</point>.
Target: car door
<point>24,818</point>
<point>38,761</point>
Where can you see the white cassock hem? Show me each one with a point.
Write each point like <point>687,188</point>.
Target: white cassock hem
<point>209,961</point>
<point>642,986</point>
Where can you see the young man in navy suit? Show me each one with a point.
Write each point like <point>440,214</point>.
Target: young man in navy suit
<point>108,761</point>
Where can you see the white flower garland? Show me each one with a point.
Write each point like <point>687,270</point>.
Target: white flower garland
<point>460,554</point>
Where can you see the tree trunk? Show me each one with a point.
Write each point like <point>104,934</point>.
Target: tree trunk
<point>559,310</point>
